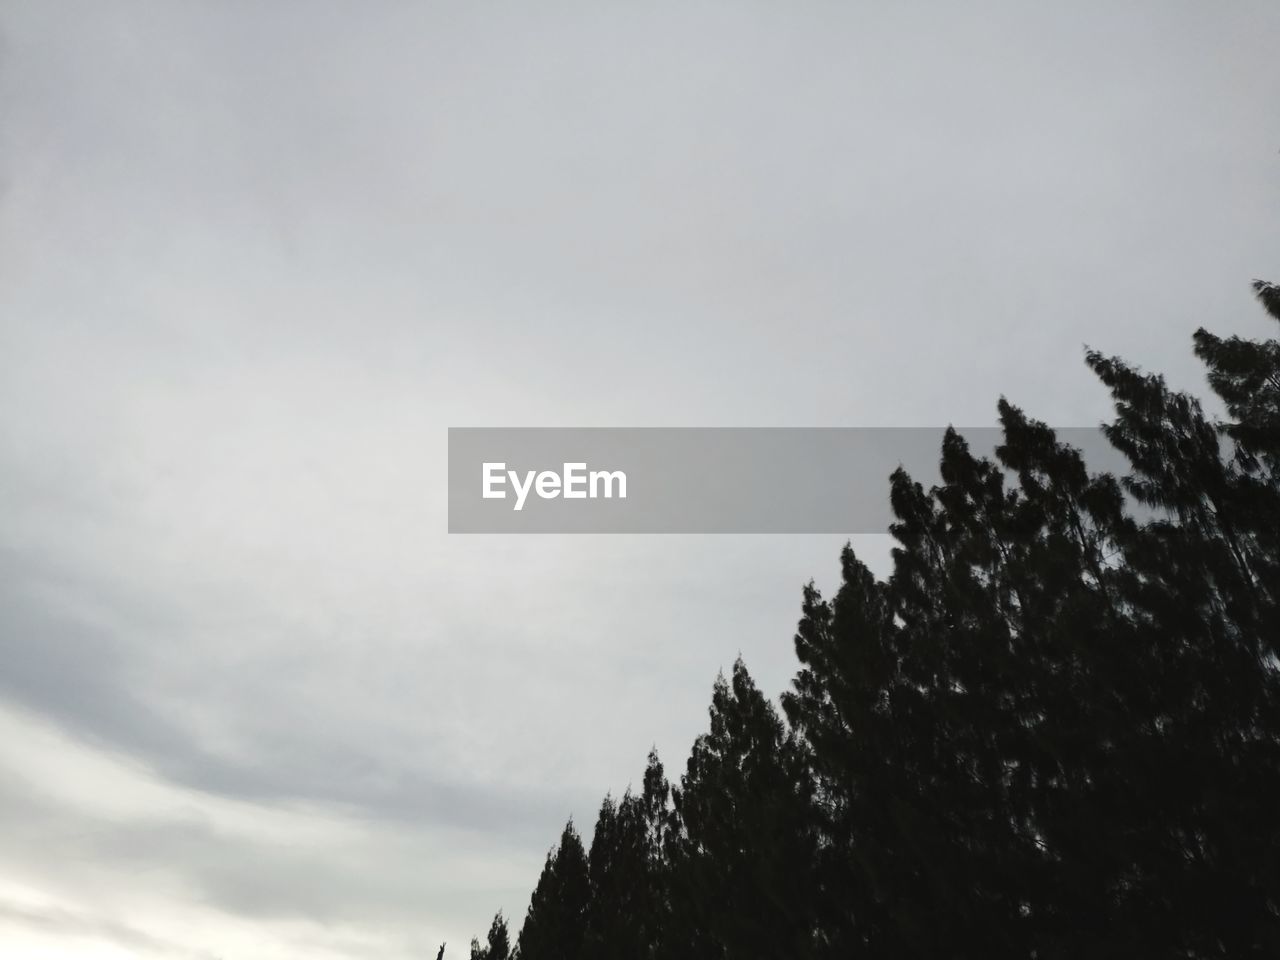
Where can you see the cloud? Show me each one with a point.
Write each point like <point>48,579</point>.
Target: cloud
<point>65,924</point>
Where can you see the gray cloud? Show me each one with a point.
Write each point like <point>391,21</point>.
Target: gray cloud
<point>84,676</point>
<point>66,923</point>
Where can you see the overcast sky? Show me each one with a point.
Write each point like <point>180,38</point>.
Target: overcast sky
<point>256,257</point>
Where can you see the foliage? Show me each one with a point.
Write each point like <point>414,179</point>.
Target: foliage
<point>1052,732</point>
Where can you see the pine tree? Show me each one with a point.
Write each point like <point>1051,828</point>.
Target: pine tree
<point>555,924</point>
<point>618,877</point>
<point>1202,587</point>
<point>497,945</point>
<point>1246,375</point>
<point>1052,732</point>
<point>840,706</point>
<point>626,867</point>
<point>1020,743</point>
<point>742,843</point>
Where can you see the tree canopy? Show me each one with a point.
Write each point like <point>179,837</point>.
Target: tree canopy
<point>1053,731</point>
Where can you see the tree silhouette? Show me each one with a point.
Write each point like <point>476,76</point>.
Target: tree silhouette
<point>1052,732</point>
<point>497,945</point>
<point>627,911</point>
<point>555,925</point>
<point>742,841</point>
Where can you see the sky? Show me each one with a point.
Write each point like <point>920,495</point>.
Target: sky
<point>256,258</point>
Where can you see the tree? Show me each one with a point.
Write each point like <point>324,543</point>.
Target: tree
<point>497,945</point>
<point>742,841</point>
<point>1049,732</point>
<point>556,921</point>
<point>627,871</point>
<point>1052,732</point>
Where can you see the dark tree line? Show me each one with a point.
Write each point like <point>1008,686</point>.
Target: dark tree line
<point>1053,732</point>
